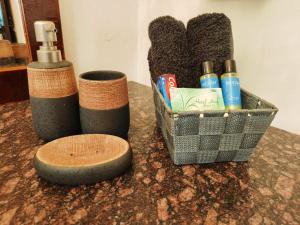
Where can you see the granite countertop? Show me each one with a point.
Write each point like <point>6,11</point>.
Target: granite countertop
<point>265,190</point>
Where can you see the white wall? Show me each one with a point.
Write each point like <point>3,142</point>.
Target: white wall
<point>18,23</point>
<point>113,35</point>
<point>100,35</point>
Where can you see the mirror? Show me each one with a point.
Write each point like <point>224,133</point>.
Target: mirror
<point>13,47</point>
<point>17,19</point>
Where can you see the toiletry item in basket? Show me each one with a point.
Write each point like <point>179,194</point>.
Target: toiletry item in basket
<point>161,84</point>
<point>170,82</point>
<point>169,51</point>
<point>165,83</point>
<point>52,88</point>
<point>209,79</point>
<point>209,38</point>
<point>230,83</point>
<point>188,99</point>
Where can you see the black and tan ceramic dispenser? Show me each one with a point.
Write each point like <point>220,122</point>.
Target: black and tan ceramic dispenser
<point>52,88</point>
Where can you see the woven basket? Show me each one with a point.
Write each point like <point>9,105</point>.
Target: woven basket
<point>213,136</point>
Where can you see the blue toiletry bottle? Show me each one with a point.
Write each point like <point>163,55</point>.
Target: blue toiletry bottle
<point>209,79</point>
<point>230,84</point>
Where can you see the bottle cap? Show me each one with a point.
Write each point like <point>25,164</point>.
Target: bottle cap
<point>230,66</point>
<point>207,67</point>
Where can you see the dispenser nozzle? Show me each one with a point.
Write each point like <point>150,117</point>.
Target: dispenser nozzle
<point>45,32</point>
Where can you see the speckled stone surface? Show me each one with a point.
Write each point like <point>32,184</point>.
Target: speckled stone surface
<point>266,190</point>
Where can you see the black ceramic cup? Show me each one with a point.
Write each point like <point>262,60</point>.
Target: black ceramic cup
<point>103,101</point>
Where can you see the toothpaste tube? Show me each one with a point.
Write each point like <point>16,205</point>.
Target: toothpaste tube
<point>163,91</point>
<point>170,83</point>
<point>165,83</point>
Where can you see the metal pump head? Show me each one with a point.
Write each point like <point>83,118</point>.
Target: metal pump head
<point>45,32</point>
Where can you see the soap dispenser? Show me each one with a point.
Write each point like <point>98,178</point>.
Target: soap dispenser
<point>52,88</point>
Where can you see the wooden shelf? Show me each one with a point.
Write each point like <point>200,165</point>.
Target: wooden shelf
<point>12,68</point>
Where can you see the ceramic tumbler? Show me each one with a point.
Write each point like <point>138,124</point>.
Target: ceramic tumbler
<point>103,103</point>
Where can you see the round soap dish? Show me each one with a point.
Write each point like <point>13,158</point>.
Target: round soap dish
<point>83,159</point>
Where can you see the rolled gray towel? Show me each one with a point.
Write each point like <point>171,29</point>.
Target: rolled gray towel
<point>169,51</point>
<point>210,39</point>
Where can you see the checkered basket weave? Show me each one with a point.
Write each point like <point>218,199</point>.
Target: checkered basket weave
<point>213,136</point>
